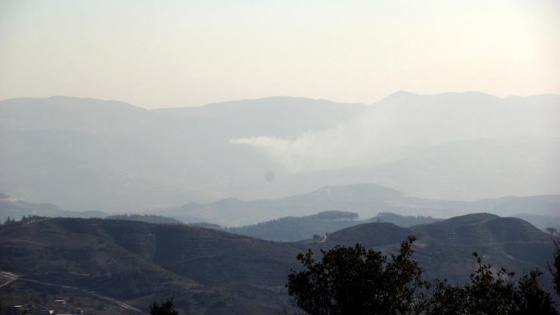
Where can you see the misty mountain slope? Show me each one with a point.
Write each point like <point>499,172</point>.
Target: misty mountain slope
<point>447,146</point>
<point>422,121</point>
<point>14,209</point>
<point>543,205</point>
<point>360,198</point>
<point>89,154</point>
<point>85,154</point>
<point>373,203</point>
<point>367,200</point>
<point>475,169</point>
<point>274,116</point>
<point>541,221</point>
<point>470,115</point>
<point>67,113</point>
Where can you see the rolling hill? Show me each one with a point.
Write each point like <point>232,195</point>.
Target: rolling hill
<point>139,262</point>
<point>444,249</point>
<point>318,225</point>
<point>103,262</point>
<point>291,229</point>
<point>367,200</point>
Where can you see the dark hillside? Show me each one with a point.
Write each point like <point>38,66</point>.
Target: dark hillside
<point>148,218</point>
<point>403,221</point>
<point>447,246</point>
<point>214,272</point>
<point>542,204</point>
<point>214,257</point>
<point>291,229</point>
<point>370,235</point>
<point>81,252</point>
<point>138,261</point>
<point>444,249</point>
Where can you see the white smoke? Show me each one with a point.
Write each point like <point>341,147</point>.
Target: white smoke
<point>356,143</point>
<point>391,129</point>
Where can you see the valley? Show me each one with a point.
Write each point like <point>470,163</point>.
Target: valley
<point>107,207</point>
<point>279,157</point>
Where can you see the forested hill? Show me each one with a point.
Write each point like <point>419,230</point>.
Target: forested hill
<point>445,248</point>
<point>129,260</point>
<point>210,271</point>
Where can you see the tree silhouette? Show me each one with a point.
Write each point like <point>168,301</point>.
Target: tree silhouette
<point>556,270</point>
<point>492,291</point>
<point>353,280</point>
<point>165,308</point>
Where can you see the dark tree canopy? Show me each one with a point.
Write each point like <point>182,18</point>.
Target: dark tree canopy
<point>353,280</point>
<point>556,269</point>
<point>165,308</point>
<point>530,298</point>
<point>492,292</point>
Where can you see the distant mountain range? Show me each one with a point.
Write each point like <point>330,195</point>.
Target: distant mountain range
<point>14,209</point>
<point>296,217</point>
<point>367,200</point>
<point>101,263</point>
<point>321,224</point>
<point>88,154</point>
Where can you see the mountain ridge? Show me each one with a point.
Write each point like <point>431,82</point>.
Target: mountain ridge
<point>366,203</point>
<point>287,97</point>
<point>155,159</point>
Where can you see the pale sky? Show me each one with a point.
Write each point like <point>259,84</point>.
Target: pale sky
<point>189,53</point>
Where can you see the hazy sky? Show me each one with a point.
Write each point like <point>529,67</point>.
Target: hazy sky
<point>188,53</point>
